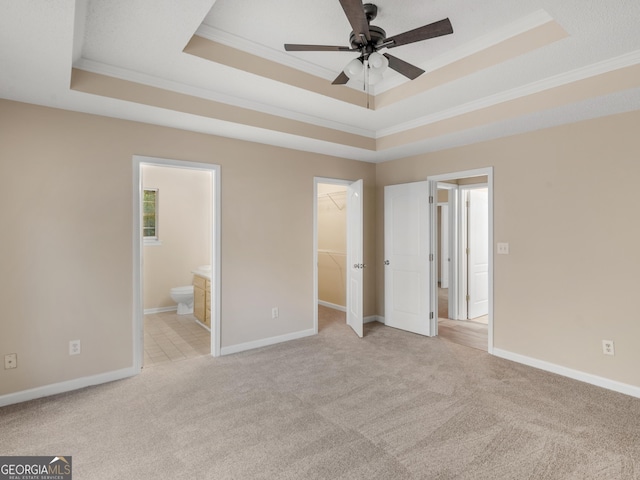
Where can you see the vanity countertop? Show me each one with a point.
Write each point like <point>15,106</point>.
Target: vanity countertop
<point>203,271</point>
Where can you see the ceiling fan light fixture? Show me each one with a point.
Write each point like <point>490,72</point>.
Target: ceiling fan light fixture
<point>378,62</point>
<point>370,68</point>
<point>354,68</point>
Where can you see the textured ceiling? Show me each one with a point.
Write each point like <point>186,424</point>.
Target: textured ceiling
<point>509,67</point>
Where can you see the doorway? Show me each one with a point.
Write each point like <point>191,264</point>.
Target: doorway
<point>463,278</point>
<point>186,247</point>
<point>338,250</point>
<point>332,246</point>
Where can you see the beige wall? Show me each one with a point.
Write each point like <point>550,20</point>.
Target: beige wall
<point>332,244</point>
<point>66,239</point>
<point>184,221</point>
<point>566,200</point>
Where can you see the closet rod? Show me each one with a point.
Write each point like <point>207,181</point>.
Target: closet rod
<point>331,198</point>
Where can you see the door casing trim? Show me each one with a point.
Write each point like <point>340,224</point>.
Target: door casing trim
<point>433,230</point>
<point>138,314</point>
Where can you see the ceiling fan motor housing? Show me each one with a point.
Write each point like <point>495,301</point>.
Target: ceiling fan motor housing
<point>377,37</point>
<point>377,34</point>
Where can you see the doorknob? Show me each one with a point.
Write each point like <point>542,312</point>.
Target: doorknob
<point>386,262</point>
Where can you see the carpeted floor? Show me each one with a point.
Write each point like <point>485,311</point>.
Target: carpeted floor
<point>390,406</point>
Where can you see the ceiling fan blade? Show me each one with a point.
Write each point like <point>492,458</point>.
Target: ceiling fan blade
<point>354,11</point>
<point>410,71</point>
<point>340,79</point>
<point>293,47</point>
<point>436,29</point>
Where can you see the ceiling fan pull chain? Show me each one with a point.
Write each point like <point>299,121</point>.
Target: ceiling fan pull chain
<point>367,87</point>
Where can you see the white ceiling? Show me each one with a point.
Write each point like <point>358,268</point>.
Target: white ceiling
<point>143,41</point>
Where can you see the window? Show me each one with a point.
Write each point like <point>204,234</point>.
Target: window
<point>150,216</point>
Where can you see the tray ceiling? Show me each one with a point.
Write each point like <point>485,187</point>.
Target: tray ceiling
<point>219,67</point>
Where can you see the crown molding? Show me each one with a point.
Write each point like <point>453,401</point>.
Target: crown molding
<point>609,65</point>
<point>162,83</point>
<point>622,61</point>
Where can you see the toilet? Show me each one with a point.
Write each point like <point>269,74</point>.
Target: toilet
<point>183,296</point>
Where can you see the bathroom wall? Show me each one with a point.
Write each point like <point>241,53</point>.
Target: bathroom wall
<point>332,244</point>
<point>184,229</point>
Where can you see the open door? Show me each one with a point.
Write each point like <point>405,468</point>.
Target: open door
<point>444,246</point>
<point>478,253</point>
<point>355,258</point>
<point>406,246</point>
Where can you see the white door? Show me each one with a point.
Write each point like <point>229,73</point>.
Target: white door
<point>478,256</point>
<point>355,259</point>
<point>406,247</point>
<point>444,246</point>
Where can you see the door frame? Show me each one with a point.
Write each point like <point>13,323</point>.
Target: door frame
<point>433,189</point>
<point>329,181</point>
<point>138,307</point>
<point>444,242</point>
<point>454,232</point>
<point>463,266</point>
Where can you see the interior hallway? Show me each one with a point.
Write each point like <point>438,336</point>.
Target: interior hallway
<point>471,333</point>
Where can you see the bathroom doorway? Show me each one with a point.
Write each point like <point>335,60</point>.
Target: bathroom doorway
<point>177,245</point>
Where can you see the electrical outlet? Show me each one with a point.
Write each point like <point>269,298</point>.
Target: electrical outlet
<point>503,248</point>
<point>74,347</point>
<point>274,312</point>
<point>10,361</point>
<point>607,347</point>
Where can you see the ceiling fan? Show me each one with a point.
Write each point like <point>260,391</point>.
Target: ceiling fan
<point>368,39</point>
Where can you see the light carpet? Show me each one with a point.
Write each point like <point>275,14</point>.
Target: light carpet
<point>390,406</point>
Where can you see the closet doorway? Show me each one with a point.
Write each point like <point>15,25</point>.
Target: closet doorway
<point>338,251</point>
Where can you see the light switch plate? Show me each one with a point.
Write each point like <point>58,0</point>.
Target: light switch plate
<point>503,248</point>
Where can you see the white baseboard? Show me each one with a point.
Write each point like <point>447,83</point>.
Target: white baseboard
<point>569,372</point>
<point>67,386</point>
<point>241,347</point>
<point>369,319</point>
<point>332,305</point>
<point>148,311</point>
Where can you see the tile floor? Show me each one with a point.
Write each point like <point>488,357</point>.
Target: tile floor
<point>169,337</point>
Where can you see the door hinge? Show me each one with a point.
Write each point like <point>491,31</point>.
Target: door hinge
<point>468,298</point>
<point>467,251</point>
<point>430,315</point>
<point>431,257</point>
<point>430,198</point>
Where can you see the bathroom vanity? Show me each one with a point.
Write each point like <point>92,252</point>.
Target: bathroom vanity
<point>202,296</point>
